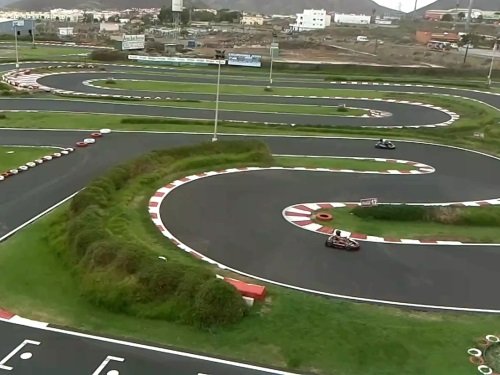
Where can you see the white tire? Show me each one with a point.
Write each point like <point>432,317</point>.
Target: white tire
<point>57,154</point>
<point>39,161</point>
<point>23,168</point>
<point>105,131</point>
<point>31,164</point>
<point>14,171</point>
<point>89,140</point>
<point>47,158</point>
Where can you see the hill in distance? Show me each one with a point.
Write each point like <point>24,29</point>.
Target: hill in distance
<point>263,6</point>
<point>451,4</point>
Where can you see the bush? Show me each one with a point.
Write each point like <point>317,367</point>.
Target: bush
<point>392,212</point>
<point>118,271</point>
<point>108,55</point>
<point>161,279</point>
<point>218,304</point>
<point>3,116</point>
<point>342,109</point>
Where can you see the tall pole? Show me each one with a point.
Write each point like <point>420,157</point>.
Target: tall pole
<point>15,38</point>
<point>33,28</point>
<point>271,68</point>
<point>214,138</point>
<point>492,62</point>
<point>467,29</point>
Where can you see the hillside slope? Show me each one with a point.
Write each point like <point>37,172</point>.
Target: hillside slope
<point>450,4</point>
<point>265,6</point>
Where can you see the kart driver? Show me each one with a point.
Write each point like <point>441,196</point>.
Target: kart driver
<point>339,238</point>
<point>384,141</point>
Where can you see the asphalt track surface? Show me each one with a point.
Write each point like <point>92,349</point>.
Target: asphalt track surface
<point>264,243</point>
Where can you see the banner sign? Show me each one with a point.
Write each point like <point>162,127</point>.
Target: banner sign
<point>133,42</point>
<point>178,60</point>
<point>18,23</point>
<point>242,59</point>
<point>368,202</point>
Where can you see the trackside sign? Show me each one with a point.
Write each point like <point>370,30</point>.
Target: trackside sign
<point>368,202</point>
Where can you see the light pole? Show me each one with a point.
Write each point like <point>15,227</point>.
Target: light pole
<point>221,57</point>
<point>15,38</point>
<point>492,62</point>
<point>33,27</point>
<point>272,58</point>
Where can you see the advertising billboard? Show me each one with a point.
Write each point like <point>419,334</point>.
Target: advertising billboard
<point>243,59</point>
<point>177,5</point>
<point>130,42</point>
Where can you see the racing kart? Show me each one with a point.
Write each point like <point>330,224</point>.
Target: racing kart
<point>343,243</point>
<point>387,145</point>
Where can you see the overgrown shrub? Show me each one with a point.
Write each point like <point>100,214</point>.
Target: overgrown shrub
<point>392,212</point>
<point>218,304</point>
<point>108,55</point>
<point>121,273</point>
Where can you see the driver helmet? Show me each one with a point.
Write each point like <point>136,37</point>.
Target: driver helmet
<point>337,232</point>
<point>381,140</point>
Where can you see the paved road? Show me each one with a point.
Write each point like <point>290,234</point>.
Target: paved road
<point>51,355</point>
<point>384,271</point>
<point>402,113</point>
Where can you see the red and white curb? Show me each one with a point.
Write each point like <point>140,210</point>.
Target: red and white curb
<point>32,164</point>
<point>13,318</point>
<point>413,167</point>
<point>302,216</point>
<point>160,195</point>
<point>27,80</point>
<point>55,155</point>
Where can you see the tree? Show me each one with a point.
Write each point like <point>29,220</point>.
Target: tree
<point>165,15</point>
<point>447,18</point>
<point>461,16</point>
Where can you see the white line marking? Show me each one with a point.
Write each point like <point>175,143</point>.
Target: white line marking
<point>4,237</point>
<point>12,353</point>
<point>104,363</point>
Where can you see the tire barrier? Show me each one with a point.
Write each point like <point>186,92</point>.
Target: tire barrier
<point>81,144</point>
<point>492,338</point>
<point>323,216</point>
<point>485,370</point>
<point>36,162</point>
<point>474,352</point>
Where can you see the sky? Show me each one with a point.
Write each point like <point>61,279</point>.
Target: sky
<point>406,5</point>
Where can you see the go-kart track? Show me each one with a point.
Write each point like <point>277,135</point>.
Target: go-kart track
<point>235,219</point>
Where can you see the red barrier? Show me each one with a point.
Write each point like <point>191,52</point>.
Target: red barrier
<point>248,290</point>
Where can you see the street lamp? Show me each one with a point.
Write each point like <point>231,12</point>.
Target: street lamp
<point>272,58</point>
<point>221,57</point>
<point>15,24</point>
<point>492,61</point>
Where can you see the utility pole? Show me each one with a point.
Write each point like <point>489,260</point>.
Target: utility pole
<point>495,47</point>
<point>221,58</point>
<point>33,29</point>
<point>467,29</point>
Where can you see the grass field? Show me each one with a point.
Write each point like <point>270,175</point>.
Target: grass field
<point>338,163</point>
<point>413,230</point>
<point>41,52</point>
<point>292,329</point>
<point>13,157</point>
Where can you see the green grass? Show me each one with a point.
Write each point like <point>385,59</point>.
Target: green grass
<point>208,88</point>
<point>26,52</point>
<point>292,329</point>
<point>415,230</point>
<point>338,163</point>
<point>13,157</point>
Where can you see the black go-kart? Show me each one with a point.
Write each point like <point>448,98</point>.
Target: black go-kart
<point>343,243</point>
<point>387,145</point>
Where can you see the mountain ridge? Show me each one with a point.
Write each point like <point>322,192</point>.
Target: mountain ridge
<point>263,6</point>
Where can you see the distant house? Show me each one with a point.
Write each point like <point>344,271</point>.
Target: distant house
<point>311,19</point>
<point>352,19</point>
<point>252,20</point>
<point>424,37</point>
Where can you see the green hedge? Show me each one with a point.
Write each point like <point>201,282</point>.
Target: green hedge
<point>120,273</point>
<point>392,212</point>
<point>473,216</point>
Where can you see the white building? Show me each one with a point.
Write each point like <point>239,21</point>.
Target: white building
<point>109,27</point>
<point>311,19</point>
<point>252,20</point>
<point>352,19</point>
